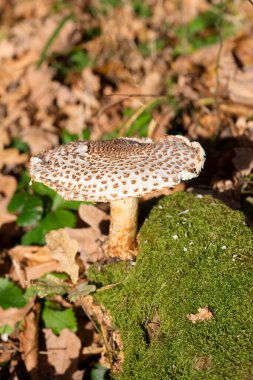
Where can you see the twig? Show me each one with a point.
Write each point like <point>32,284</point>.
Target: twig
<point>110,286</point>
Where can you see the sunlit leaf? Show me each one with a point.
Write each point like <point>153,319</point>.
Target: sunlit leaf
<point>57,320</point>
<point>10,295</point>
<point>29,207</point>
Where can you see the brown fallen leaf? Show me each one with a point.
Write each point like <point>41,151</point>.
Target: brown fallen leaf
<point>203,362</point>
<point>64,249</point>
<point>28,338</point>
<point>4,136</point>
<point>11,157</point>
<point>40,84</point>
<point>153,327</point>
<point>30,255</point>
<point>235,71</point>
<point>63,352</point>
<point>13,315</point>
<point>203,314</point>
<point>93,216</point>
<point>35,261</point>
<point>191,8</point>
<point>8,186</point>
<point>90,244</point>
<point>39,139</point>
<point>36,271</point>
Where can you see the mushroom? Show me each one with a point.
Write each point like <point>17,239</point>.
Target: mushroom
<point>118,171</point>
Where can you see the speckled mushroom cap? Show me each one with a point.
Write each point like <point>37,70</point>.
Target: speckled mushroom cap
<point>102,171</point>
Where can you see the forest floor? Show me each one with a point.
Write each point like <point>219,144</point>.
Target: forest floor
<point>102,69</point>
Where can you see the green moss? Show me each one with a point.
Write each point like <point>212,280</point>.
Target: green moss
<point>193,252</point>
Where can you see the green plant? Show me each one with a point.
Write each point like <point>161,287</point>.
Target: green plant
<point>194,252</point>
<point>57,319</point>
<point>205,29</point>
<point>75,60</point>
<point>41,209</point>
<point>52,38</point>
<point>11,295</point>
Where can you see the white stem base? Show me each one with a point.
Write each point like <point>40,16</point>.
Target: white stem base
<point>123,228</point>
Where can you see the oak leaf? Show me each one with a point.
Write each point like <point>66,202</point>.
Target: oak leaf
<point>63,249</point>
<point>203,314</point>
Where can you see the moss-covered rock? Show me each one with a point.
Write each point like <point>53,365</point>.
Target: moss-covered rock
<point>194,252</point>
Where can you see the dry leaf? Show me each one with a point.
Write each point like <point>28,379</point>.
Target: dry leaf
<point>8,186</point>
<point>41,87</point>
<point>153,327</point>
<point>4,136</point>
<point>235,71</point>
<point>28,338</point>
<point>203,314</point>
<point>13,315</point>
<point>92,216</point>
<point>191,8</point>
<point>30,255</point>
<point>203,362</point>
<point>6,353</point>
<point>36,271</point>
<point>35,260</point>
<point>64,249</point>
<point>40,139</point>
<point>90,245</point>
<point>11,157</point>
<point>63,352</point>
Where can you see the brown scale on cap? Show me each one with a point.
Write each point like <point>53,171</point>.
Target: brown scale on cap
<point>117,169</point>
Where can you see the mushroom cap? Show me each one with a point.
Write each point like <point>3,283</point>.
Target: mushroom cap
<point>102,171</point>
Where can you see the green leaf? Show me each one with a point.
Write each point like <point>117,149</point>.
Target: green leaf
<point>66,137</point>
<point>34,236</point>
<point>6,329</point>
<point>57,320</point>
<point>111,3</point>
<point>19,145</point>
<point>30,293</point>
<point>17,202</point>
<point>59,203</point>
<point>79,60</point>
<point>29,206</point>
<point>86,134</point>
<point>24,181</point>
<point>52,221</point>
<point>140,125</point>
<point>58,219</point>
<point>82,291</point>
<point>99,372</point>
<point>11,295</point>
<point>141,9</point>
<point>43,190</point>
<point>32,211</point>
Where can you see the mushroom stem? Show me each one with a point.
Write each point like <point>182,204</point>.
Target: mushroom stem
<point>123,228</point>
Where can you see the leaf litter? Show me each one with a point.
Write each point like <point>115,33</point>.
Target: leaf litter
<point>75,72</point>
